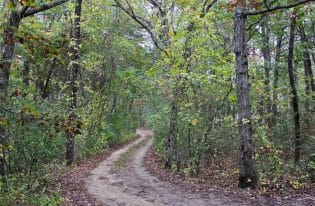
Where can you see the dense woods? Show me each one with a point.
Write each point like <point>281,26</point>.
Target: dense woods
<point>226,85</point>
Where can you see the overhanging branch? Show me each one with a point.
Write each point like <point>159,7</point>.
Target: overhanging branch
<point>252,13</point>
<point>43,7</point>
<point>130,12</point>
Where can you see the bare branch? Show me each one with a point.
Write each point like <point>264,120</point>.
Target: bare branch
<point>43,7</point>
<point>157,5</point>
<point>266,4</point>
<point>216,112</point>
<point>13,2</point>
<point>210,5</point>
<point>24,9</point>
<point>251,13</point>
<point>130,12</point>
<point>254,24</point>
<point>206,7</point>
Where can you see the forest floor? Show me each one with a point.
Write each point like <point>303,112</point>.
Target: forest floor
<point>133,176</point>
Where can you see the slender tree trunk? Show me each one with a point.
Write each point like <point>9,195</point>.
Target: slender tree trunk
<point>2,154</point>
<point>308,73</point>
<point>75,56</point>
<point>276,79</point>
<point>171,146</point>
<point>309,78</point>
<point>313,54</point>
<point>248,173</point>
<point>45,92</point>
<point>267,62</point>
<point>295,99</point>
<point>170,142</point>
<point>26,72</point>
<point>172,130</point>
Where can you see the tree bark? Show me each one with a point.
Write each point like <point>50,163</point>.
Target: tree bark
<point>267,62</point>
<point>248,174</point>
<point>5,65</point>
<point>9,41</point>
<point>45,92</point>
<point>75,56</point>
<point>308,73</point>
<point>171,146</point>
<point>295,99</point>
<point>276,78</point>
<point>170,142</point>
<point>14,18</point>
<point>2,154</point>
<point>8,50</point>
<point>26,72</point>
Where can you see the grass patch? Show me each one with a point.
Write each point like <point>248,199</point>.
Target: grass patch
<point>125,157</point>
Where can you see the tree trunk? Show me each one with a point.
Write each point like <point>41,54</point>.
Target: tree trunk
<point>276,79</point>
<point>8,51</point>
<point>26,72</point>
<point>308,73</point>
<point>5,65</point>
<point>2,154</point>
<point>170,142</point>
<point>75,56</point>
<point>267,62</point>
<point>45,92</point>
<point>295,99</point>
<point>248,174</point>
<point>309,78</point>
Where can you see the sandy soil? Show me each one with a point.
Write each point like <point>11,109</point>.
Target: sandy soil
<point>132,185</point>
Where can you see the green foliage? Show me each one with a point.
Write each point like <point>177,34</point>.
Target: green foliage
<point>311,167</point>
<point>35,114</point>
<point>28,190</point>
<point>125,82</point>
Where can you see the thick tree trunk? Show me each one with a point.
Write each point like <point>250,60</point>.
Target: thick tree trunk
<point>8,51</point>
<point>12,27</point>
<point>5,65</point>
<point>75,56</point>
<point>276,79</point>
<point>248,174</point>
<point>295,99</point>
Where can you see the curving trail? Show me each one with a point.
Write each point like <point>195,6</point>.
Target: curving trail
<point>132,185</point>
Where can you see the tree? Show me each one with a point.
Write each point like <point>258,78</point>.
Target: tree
<point>248,175</point>
<point>276,76</point>
<point>295,99</point>
<point>16,14</point>
<point>75,66</point>
<point>267,62</point>
<point>308,72</point>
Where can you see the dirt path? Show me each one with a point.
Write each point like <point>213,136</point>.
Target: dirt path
<point>121,179</point>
